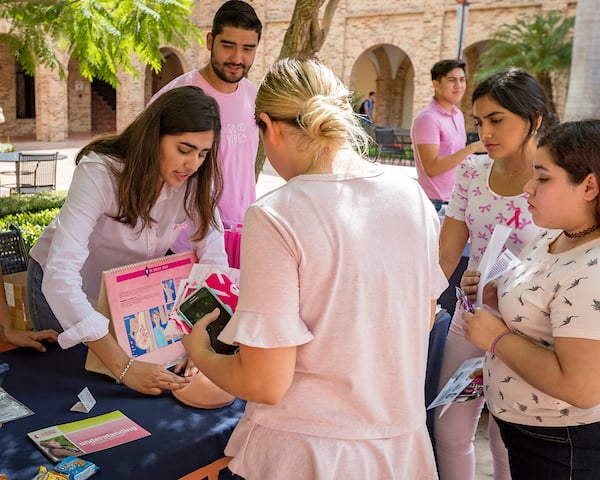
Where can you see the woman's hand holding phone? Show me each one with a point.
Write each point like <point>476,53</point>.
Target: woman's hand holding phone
<point>194,309</point>
<point>199,338</point>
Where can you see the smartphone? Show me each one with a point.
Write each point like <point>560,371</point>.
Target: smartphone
<point>198,304</point>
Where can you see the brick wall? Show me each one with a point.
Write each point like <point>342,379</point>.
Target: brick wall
<point>386,46</point>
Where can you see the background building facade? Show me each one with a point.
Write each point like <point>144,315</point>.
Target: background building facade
<point>384,46</point>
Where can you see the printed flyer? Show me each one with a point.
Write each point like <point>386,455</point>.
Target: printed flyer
<point>87,436</point>
<point>138,299</point>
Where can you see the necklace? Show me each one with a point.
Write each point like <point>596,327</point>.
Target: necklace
<point>516,173</point>
<point>583,233</point>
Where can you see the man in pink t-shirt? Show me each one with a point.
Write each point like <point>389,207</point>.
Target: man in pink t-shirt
<point>438,133</point>
<point>232,43</point>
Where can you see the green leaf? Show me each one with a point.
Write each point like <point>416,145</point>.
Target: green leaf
<point>542,46</point>
<point>103,35</point>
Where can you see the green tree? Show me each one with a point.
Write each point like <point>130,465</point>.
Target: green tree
<point>542,47</point>
<point>103,35</point>
<point>304,37</point>
<point>306,34</point>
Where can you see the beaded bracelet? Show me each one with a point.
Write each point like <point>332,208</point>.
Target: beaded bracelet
<point>497,339</point>
<point>122,376</point>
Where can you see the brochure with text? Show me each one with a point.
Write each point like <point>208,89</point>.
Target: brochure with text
<point>87,436</point>
<point>496,260</point>
<point>138,300</point>
<point>464,385</point>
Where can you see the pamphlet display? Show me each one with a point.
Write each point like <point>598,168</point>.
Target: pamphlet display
<point>139,300</point>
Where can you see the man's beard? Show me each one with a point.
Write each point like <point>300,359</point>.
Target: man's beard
<point>219,69</point>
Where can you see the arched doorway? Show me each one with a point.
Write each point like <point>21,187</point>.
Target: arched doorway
<point>387,70</point>
<point>104,107</point>
<point>171,68</point>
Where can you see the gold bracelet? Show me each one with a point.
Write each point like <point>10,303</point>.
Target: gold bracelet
<point>122,376</point>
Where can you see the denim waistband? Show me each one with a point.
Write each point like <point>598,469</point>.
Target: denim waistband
<point>438,204</point>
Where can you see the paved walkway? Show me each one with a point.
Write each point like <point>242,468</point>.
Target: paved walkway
<point>267,181</point>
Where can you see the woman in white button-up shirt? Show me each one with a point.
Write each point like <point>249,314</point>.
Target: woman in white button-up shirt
<point>130,196</point>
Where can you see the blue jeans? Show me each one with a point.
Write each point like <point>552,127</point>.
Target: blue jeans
<point>438,204</point>
<point>40,312</point>
<point>557,453</point>
<point>440,208</point>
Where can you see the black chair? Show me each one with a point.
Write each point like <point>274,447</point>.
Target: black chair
<point>404,142</point>
<point>13,251</point>
<point>388,150</point>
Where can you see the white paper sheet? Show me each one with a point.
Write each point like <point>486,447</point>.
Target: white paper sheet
<point>495,261</point>
<point>457,383</point>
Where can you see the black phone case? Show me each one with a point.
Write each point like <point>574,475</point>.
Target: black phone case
<point>198,304</point>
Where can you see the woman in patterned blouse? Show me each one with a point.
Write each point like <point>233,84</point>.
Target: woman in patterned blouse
<point>510,109</point>
<point>542,383</point>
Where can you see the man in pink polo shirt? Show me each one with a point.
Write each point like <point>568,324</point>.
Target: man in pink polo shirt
<point>438,133</point>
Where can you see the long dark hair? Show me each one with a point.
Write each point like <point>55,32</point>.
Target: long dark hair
<point>180,110</point>
<point>575,147</point>
<point>522,94</point>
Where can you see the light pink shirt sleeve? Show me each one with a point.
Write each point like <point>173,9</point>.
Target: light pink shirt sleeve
<point>270,281</point>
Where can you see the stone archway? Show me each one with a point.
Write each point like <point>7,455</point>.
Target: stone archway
<point>387,70</point>
<point>172,67</point>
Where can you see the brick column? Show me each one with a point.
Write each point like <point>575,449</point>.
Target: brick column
<point>51,109</point>
<point>130,96</point>
<point>432,36</point>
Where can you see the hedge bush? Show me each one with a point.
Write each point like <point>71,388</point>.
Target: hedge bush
<point>32,213</point>
<point>31,223</point>
<point>31,203</point>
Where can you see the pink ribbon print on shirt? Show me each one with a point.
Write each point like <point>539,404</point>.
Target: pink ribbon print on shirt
<point>515,218</point>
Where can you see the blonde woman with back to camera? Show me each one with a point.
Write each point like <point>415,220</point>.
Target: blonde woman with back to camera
<point>339,276</point>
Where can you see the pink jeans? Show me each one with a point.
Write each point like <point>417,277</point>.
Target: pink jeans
<point>455,431</point>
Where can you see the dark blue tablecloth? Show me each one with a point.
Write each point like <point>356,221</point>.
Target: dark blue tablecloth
<point>182,438</point>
